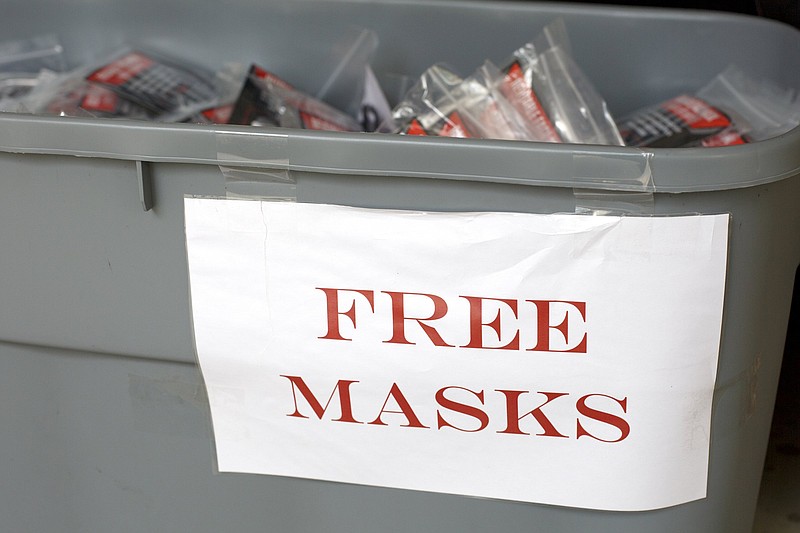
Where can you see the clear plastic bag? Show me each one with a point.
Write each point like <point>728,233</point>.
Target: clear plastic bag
<point>351,86</point>
<point>268,100</point>
<point>228,82</point>
<point>540,95</point>
<point>681,121</point>
<point>517,86</point>
<point>733,108</point>
<point>132,83</point>
<point>155,81</point>
<point>17,90</point>
<point>443,104</point>
<point>24,65</point>
<point>349,56</point>
<point>431,106</point>
<point>75,97</point>
<point>759,109</point>
<point>573,105</point>
<point>486,110</point>
<point>32,55</point>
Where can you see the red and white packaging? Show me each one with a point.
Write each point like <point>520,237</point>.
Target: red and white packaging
<point>733,108</point>
<point>268,100</point>
<point>680,121</point>
<point>431,106</point>
<point>517,87</point>
<point>165,85</point>
<point>539,95</point>
<point>74,97</point>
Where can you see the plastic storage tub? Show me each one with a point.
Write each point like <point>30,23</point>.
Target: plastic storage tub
<point>103,420</point>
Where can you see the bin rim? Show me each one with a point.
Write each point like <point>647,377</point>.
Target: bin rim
<point>674,170</point>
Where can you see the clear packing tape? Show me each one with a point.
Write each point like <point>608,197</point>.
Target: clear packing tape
<point>256,166</point>
<point>635,199</point>
<point>262,184</point>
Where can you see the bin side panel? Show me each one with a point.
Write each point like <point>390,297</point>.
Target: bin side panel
<point>84,266</point>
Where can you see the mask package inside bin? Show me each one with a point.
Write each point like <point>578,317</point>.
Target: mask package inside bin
<point>733,108</point>
<point>267,100</point>
<point>78,98</point>
<point>539,95</point>
<point>154,81</point>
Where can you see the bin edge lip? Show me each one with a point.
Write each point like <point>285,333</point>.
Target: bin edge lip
<point>733,167</point>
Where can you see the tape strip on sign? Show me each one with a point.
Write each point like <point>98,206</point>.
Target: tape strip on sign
<point>556,359</point>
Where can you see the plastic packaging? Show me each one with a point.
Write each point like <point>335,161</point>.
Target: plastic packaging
<point>443,104</point>
<point>24,65</point>
<point>733,108</point>
<point>759,108</point>
<point>74,97</point>
<point>517,86</point>
<point>345,86</point>
<point>155,81</point>
<point>30,56</point>
<point>681,121</point>
<point>351,86</point>
<point>430,107</point>
<point>15,89</point>
<point>133,83</point>
<point>540,95</point>
<point>215,114</point>
<point>574,106</point>
<point>228,82</point>
<point>268,100</point>
<point>508,113</point>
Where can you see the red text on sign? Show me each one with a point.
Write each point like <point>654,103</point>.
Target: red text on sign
<point>594,415</point>
<point>394,311</point>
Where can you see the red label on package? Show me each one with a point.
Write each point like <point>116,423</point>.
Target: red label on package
<point>120,71</point>
<point>453,126</point>
<point>727,137</point>
<point>525,101</point>
<point>313,122</point>
<point>415,128</point>
<point>218,115</point>
<point>99,98</point>
<point>696,113</point>
<point>266,100</point>
<point>682,121</point>
<point>263,74</point>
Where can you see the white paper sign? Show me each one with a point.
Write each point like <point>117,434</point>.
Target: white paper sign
<point>556,359</point>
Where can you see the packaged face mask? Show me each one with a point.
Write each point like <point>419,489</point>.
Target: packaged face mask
<point>154,81</point>
<point>74,97</point>
<point>539,95</point>
<point>680,121</point>
<point>733,108</point>
<point>267,100</point>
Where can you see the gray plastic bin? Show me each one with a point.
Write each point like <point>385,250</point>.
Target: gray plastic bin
<point>103,420</point>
